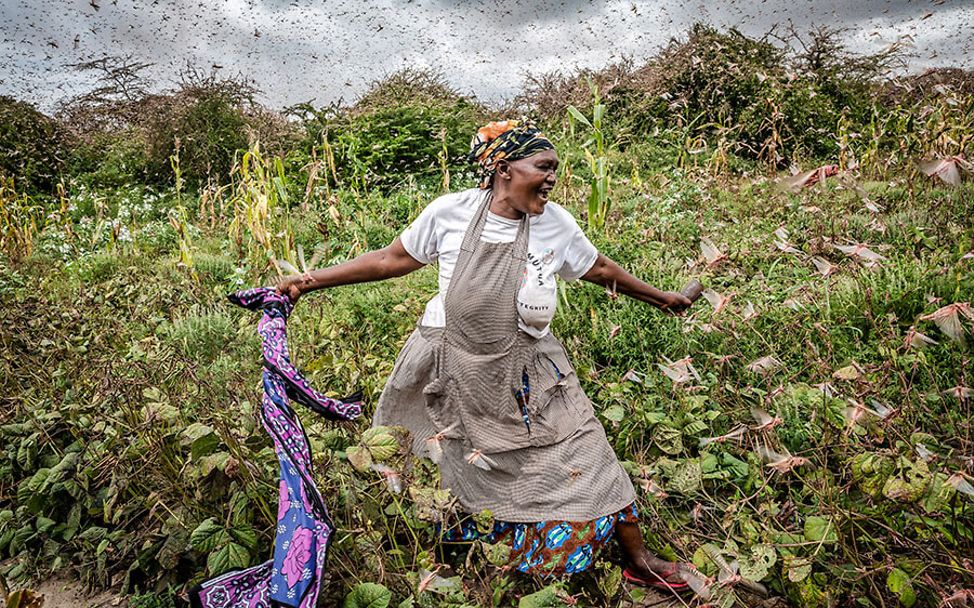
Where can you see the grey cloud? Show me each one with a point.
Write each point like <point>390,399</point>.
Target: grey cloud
<point>299,50</point>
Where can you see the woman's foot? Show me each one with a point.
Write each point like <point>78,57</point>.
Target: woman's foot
<point>653,572</point>
<point>645,569</point>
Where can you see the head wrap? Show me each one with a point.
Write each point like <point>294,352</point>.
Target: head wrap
<point>507,139</point>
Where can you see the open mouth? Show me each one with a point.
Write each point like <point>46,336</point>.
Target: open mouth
<point>544,192</point>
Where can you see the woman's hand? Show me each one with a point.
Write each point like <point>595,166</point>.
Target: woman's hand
<point>675,302</point>
<point>292,287</point>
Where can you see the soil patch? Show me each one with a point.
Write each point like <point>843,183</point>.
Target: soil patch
<point>65,592</point>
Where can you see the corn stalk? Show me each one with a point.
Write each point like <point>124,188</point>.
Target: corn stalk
<point>179,220</point>
<point>261,225</point>
<point>444,158</point>
<point>21,220</point>
<point>598,162</point>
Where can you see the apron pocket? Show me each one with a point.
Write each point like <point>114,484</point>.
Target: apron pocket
<point>440,404</point>
<point>552,373</point>
<point>414,367</point>
<point>557,405</point>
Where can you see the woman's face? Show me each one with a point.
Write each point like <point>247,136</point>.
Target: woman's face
<point>531,181</point>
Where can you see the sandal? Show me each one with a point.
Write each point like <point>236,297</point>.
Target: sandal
<point>659,581</point>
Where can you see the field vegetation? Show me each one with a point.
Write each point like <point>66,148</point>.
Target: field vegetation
<point>807,427</point>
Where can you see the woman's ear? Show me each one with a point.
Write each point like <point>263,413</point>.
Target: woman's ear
<point>503,169</point>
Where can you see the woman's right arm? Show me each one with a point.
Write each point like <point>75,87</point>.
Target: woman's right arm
<point>386,263</point>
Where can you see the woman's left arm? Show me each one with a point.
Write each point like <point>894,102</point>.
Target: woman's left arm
<point>607,273</point>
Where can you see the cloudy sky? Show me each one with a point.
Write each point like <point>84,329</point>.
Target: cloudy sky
<point>326,50</point>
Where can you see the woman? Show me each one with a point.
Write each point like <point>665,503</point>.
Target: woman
<point>487,392</point>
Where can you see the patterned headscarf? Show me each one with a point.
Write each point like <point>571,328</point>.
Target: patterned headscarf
<point>508,139</point>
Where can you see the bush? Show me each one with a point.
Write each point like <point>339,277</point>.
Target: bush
<point>204,122</point>
<point>770,102</point>
<point>411,123</point>
<point>123,132</point>
<point>200,335</point>
<point>109,159</point>
<point>30,146</point>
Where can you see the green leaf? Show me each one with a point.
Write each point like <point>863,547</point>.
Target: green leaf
<point>668,439</point>
<point>92,534</point>
<point>196,431</point>
<point>820,529</point>
<point>381,445</point>
<point>44,524</point>
<point>161,411</point>
<point>577,115</point>
<point>938,494</point>
<point>214,462</point>
<point>614,413</point>
<point>202,439</point>
<point>737,467</point>
<point>219,561</point>
<point>798,568</point>
<point>205,446</point>
<point>244,535</point>
<point>653,418</point>
<point>551,596</point>
<point>686,477</point>
<point>610,581</point>
<point>899,583</point>
<point>598,112</point>
<point>5,539</point>
<point>708,462</point>
<point>368,595</point>
<point>208,535</point>
<point>756,563</point>
<point>498,554</point>
<point>360,457</point>
<point>20,538</point>
<point>701,559</point>
<point>237,556</point>
<point>910,484</point>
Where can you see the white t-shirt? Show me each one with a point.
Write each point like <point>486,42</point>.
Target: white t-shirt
<point>556,245</point>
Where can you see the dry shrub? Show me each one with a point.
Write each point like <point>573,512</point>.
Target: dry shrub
<point>209,117</point>
<point>777,97</point>
<point>548,95</point>
<point>113,106</point>
<point>409,86</point>
<point>915,88</point>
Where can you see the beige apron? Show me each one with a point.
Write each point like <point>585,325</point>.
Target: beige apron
<point>454,388</point>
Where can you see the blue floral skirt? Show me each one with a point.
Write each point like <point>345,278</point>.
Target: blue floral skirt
<point>547,548</point>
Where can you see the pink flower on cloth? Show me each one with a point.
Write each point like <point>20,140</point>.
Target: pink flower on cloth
<point>298,555</point>
<point>283,501</point>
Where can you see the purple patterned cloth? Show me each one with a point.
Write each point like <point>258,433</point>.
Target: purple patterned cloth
<point>293,576</point>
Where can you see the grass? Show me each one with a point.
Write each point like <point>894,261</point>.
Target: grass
<point>129,385</point>
<point>130,389</point>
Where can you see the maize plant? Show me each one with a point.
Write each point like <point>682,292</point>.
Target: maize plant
<point>21,220</point>
<point>261,226</point>
<point>598,162</point>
